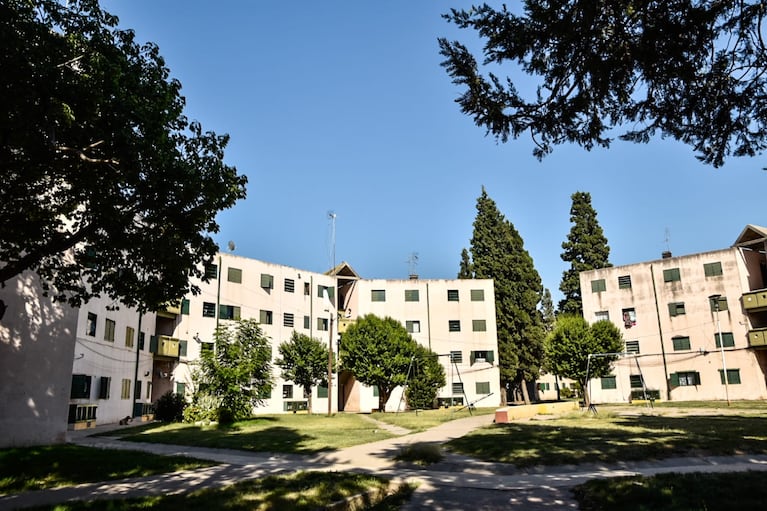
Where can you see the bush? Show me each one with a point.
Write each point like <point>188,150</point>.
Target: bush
<point>420,453</point>
<point>203,408</point>
<point>170,407</point>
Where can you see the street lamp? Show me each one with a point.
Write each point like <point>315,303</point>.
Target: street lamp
<point>715,301</point>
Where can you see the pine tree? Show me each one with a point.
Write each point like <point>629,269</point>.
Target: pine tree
<point>498,253</point>
<point>465,271</point>
<point>586,249</point>
<point>548,317</point>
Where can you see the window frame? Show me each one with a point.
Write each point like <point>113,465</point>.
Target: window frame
<point>672,275</point>
<point>454,325</point>
<point>412,295</point>
<point>477,295</point>
<point>624,281</point>
<point>479,325</point>
<point>377,295</point>
<point>598,286</point>
<point>713,269</point>
<point>681,343</point>
<point>234,275</point>
<point>453,295</point>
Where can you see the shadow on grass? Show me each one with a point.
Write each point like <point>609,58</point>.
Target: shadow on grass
<point>585,439</point>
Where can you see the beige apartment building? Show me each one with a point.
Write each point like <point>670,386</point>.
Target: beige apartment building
<point>694,327</point>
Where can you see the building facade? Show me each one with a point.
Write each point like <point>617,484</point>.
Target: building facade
<point>693,326</point>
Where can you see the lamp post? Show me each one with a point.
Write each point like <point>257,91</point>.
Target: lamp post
<point>715,301</point>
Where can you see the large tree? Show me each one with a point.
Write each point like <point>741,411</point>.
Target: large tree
<point>378,351</point>
<point>586,249</point>
<point>108,189</point>
<point>498,253</point>
<point>426,377</point>
<point>579,351</point>
<point>304,361</point>
<point>686,69</point>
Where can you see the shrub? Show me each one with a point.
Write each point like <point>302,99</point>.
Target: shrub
<point>170,407</point>
<point>203,408</point>
<point>420,453</point>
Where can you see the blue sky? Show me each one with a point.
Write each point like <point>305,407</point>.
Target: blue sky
<point>342,106</point>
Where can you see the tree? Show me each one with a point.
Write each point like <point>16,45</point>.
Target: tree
<point>108,189</point>
<point>304,361</point>
<point>571,342</point>
<point>238,372</point>
<point>498,253</point>
<point>465,271</point>
<point>378,351</point>
<point>690,70</point>
<point>427,376</point>
<point>548,316</point>
<point>586,249</point>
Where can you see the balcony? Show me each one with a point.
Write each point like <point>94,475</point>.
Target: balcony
<point>344,323</point>
<point>164,346</point>
<point>755,300</point>
<point>171,311</point>
<point>757,338</point>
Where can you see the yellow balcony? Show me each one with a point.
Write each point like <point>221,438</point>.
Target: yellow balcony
<point>343,324</point>
<point>165,346</point>
<point>757,338</point>
<point>171,310</point>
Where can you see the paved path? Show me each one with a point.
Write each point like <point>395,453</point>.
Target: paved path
<point>458,483</point>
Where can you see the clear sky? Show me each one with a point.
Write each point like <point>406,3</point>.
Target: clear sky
<point>342,106</point>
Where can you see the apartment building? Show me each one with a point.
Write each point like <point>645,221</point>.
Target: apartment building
<point>694,326</point>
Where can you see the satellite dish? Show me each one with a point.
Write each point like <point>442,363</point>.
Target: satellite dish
<point>231,246</point>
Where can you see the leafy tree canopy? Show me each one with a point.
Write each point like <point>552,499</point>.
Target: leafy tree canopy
<point>108,189</point>
<point>304,361</point>
<point>427,376</point>
<point>571,342</point>
<point>378,351</point>
<point>685,69</point>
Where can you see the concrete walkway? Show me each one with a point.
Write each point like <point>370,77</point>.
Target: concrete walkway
<point>457,483</point>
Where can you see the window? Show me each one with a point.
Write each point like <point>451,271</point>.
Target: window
<point>477,295</point>
<point>307,289</point>
<point>129,333</point>
<point>676,309</point>
<point>228,312</point>
<point>182,350</point>
<point>609,382</point>
<point>234,275</point>
<point>141,337</point>
<point>90,327</point>
<point>378,295</point>
<point>597,286</point>
<point>290,286</point>
<point>481,356</point>
<point>478,325</point>
<point>109,330</point>
<point>636,381</point>
<point>287,392</point>
<point>544,386</point>
<point>125,391</point>
<point>624,282</point>
<point>185,307</point>
<point>413,327</point>
<point>727,338</point>
<point>733,376</point>
<point>208,310</point>
<point>267,281</point>
<point>685,379</point>
<point>602,316</point>
<point>454,325</point>
<point>322,391</point>
<point>265,317</point>
<point>482,387</point>
<point>322,324</point>
<point>456,357</point>
<point>104,383</point>
<point>452,295</point>
<point>180,388</point>
<point>287,320</point>
<point>137,390</point>
<point>671,275</point>
<point>681,343</point>
<point>211,271</point>
<point>720,301</point>
<point>331,293</point>
<point>81,387</point>
<point>457,388</point>
<point>412,295</point>
<point>307,322</point>
<point>629,317</point>
<point>712,269</point>
<point>149,390</point>
<point>632,347</point>
<point>375,391</point>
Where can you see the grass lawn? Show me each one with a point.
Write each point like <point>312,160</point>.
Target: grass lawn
<point>422,420</point>
<point>35,468</point>
<point>582,437</point>
<point>675,492</point>
<point>284,433</point>
<point>305,491</point>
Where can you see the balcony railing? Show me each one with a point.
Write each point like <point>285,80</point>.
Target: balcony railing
<point>164,346</point>
<point>757,338</point>
<point>755,299</point>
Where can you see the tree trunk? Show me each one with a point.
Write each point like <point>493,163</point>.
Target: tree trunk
<point>585,393</point>
<point>525,396</point>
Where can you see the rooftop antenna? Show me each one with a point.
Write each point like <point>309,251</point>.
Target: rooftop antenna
<point>412,262</point>
<point>667,239</point>
<point>231,246</point>
<point>332,217</point>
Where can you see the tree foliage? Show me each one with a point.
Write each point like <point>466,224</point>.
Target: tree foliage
<point>686,69</point>
<point>427,376</point>
<point>498,253</point>
<point>304,361</point>
<point>586,249</point>
<point>108,189</point>
<point>237,372</point>
<point>378,351</point>
<point>571,342</point>
<point>465,271</point>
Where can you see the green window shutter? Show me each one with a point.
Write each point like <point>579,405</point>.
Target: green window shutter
<point>412,295</point>
<point>489,356</point>
<point>236,313</point>
<point>674,380</point>
<point>185,306</point>
<point>234,275</point>
<point>307,323</point>
<point>182,346</point>
<point>472,357</point>
<point>624,282</point>
<point>211,271</point>
<point>477,295</point>
<point>375,390</point>
<point>727,337</point>
<point>153,344</point>
<point>452,295</point>
<point>478,325</point>
<point>609,382</point>
<point>672,309</point>
<point>267,281</point>
<point>671,275</point>
<point>712,269</point>
<point>81,386</point>
<point>378,295</point>
<point>482,387</point>
<point>322,391</point>
<point>180,388</point>
<point>597,286</point>
<point>697,378</point>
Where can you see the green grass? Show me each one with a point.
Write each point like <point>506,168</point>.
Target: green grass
<point>756,406</point>
<point>286,433</point>
<point>303,491</point>
<point>581,438</point>
<point>675,492</point>
<point>35,468</point>
<point>421,420</point>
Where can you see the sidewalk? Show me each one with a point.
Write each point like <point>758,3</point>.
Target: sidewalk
<point>456,483</point>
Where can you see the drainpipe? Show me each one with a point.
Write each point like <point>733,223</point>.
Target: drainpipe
<point>660,334</point>
<point>428,316</point>
<point>136,395</point>
<point>218,293</point>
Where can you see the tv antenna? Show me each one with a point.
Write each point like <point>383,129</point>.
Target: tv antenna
<point>332,218</point>
<point>231,246</point>
<point>412,262</point>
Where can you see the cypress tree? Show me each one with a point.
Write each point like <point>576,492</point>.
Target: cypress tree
<point>464,270</point>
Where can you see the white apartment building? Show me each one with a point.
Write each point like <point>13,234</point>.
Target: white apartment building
<point>694,326</point>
